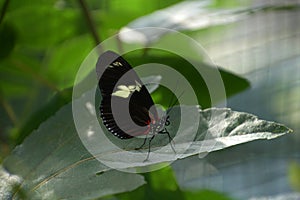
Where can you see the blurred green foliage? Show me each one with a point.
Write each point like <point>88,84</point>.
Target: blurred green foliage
<point>42,46</point>
<point>294,175</point>
<point>43,43</point>
<point>7,40</point>
<point>162,184</point>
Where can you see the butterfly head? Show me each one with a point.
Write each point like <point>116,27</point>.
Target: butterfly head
<point>158,122</point>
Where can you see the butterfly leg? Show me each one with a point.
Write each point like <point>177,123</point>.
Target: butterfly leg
<point>171,142</point>
<point>165,131</point>
<point>149,148</point>
<point>138,148</point>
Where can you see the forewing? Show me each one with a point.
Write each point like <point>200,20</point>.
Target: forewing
<point>125,100</point>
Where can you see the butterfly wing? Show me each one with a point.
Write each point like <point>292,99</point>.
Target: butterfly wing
<point>126,103</point>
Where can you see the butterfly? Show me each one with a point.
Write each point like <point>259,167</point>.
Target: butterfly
<point>127,109</point>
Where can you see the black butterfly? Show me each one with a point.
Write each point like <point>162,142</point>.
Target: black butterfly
<point>127,109</point>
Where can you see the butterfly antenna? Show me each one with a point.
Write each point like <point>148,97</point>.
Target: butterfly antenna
<point>172,143</point>
<point>168,112</point>
<point>138,148</point>
<point>149,148</point>
<point>170,103</point>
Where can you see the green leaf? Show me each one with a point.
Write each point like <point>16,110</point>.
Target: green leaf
<point>227,128</point>
<point>163,179</point>
<point>63,61</point>
<point>40,26</point>
<point>205,194</point>
<point>53,164</point>
<point>17,5</point>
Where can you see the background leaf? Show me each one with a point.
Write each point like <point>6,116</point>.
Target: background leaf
<point>54,24</point>
<point>190,15</point>
<point>232,83</point>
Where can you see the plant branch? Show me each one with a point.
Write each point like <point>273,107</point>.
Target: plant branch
<point>10,112</point>
<point>3,11</point>
<point>90,22</point>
